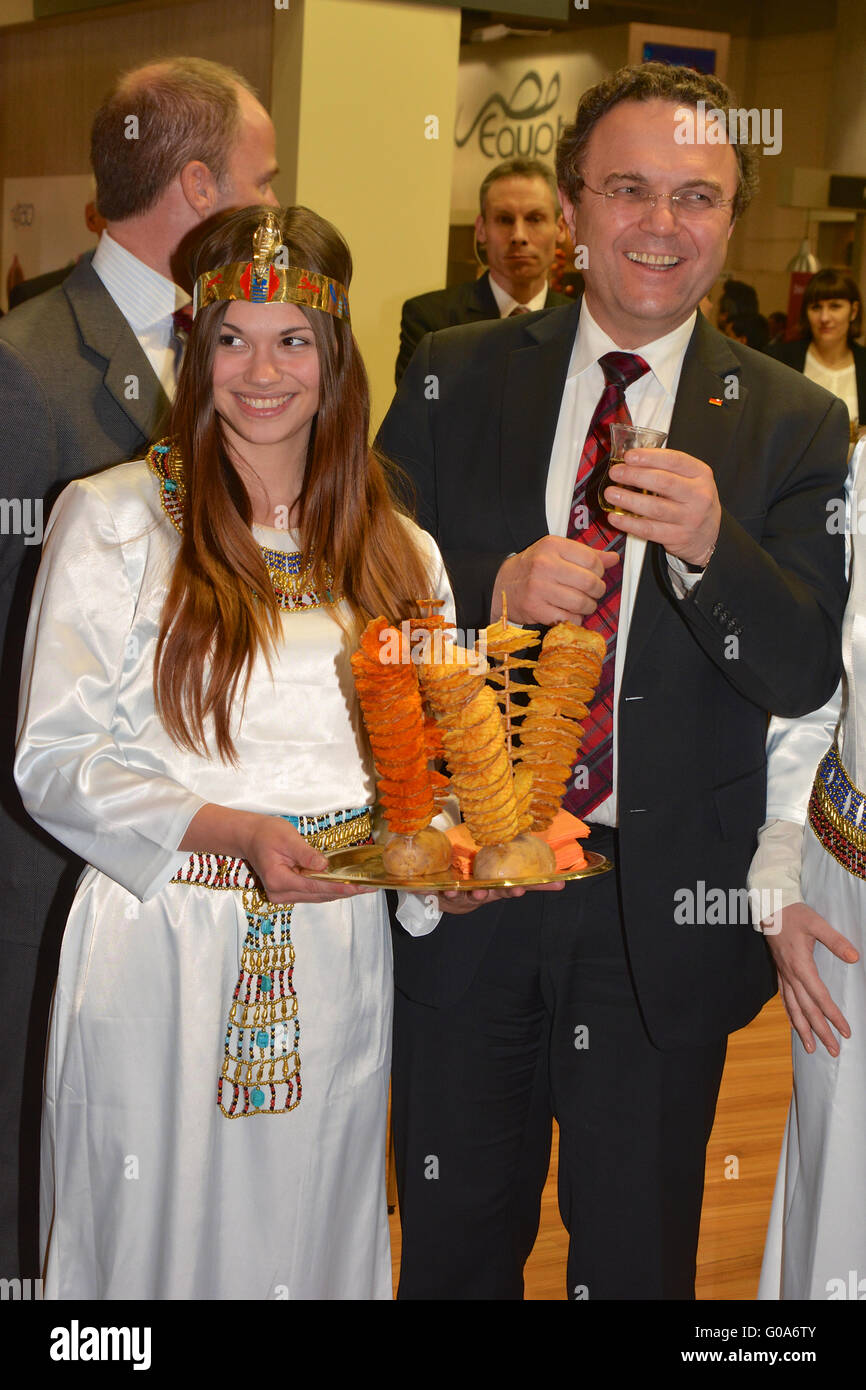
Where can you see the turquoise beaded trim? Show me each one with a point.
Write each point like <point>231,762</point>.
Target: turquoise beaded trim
<point>290,571</point>
<point>261,1071</point>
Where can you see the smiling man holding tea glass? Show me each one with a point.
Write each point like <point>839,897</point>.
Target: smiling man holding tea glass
<point>719,593</point>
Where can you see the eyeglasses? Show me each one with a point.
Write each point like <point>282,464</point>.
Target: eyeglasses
<point>685,202</point>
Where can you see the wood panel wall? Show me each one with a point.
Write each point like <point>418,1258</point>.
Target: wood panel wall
<point>54,74</point>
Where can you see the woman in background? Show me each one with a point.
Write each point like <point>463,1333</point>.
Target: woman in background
<point>817,1231</point>
<point>830,320</point>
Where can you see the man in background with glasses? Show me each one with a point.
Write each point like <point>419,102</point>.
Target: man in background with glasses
<point>719,593</point>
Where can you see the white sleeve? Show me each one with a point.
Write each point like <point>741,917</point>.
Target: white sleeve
<point>683,580</point>
<point>73,776</point>
<point>794,749</point>
<point>774,874</point>
<point>418,913</point>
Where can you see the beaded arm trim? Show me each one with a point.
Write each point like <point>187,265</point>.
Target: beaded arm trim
<point>836,812</point>
<point>221,872</point>
<point>290,570</point>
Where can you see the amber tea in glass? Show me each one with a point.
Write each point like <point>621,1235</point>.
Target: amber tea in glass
<point>623,437</point>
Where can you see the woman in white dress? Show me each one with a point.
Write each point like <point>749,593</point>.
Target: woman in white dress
<point>217,1071</point>
<point>816,1242</point>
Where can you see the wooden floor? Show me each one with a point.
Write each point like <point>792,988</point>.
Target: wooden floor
<point>746,1139</point>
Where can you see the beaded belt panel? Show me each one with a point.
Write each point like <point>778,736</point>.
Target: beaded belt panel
<point>837,811</point>
<point>261,1071</point>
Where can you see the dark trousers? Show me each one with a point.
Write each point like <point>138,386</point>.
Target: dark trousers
<point>549,1026</point>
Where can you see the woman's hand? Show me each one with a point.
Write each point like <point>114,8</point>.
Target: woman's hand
<point>458,901</point>
<point>275,849</point>
<point>791,936</point>
<point>277,852</point>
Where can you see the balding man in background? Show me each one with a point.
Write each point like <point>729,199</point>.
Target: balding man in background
<point>88,372</point>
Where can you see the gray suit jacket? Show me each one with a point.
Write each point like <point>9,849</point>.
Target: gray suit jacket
<point>77,394</point>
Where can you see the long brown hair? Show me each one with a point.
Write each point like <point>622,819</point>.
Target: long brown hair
<point>221,610</point>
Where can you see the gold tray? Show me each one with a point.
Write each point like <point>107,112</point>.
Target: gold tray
<point>363,864</point>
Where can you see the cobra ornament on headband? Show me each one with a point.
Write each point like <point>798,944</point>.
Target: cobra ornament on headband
<point>263,280</point>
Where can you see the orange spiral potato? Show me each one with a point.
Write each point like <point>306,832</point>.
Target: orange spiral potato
<point>399,734</point>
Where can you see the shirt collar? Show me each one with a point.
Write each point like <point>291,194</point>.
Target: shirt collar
<point>663,356</point>
<point>505,302</point>
<point>142,295</point>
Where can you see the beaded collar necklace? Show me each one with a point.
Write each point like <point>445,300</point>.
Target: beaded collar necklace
<point>291,571</point>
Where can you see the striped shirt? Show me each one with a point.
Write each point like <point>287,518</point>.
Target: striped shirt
<point>147,301</point>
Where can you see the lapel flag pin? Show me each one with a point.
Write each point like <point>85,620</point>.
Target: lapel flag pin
<point>715,400</point>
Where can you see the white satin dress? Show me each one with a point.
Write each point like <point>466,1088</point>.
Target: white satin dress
<point>148,1190</point>
<point>816,1241</point>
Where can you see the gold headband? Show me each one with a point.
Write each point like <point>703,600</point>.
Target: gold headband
<point>263,280</point>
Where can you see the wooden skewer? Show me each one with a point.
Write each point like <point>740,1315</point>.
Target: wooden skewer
<point>506,684</point>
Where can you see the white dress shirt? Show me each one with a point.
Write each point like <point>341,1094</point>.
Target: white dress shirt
<point>842,381</point>
<point>650,401</point>
<point>147,301</point>
<point>506,303</point>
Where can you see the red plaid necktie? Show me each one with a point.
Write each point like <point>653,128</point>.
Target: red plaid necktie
<point>592,776</point>
<point>181,321</point>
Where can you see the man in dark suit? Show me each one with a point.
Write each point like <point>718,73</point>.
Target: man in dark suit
<point>87,372</point>
<point>609,1004</point>
<point>517,231</point>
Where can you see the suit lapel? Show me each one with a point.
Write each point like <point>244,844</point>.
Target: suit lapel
<point>129,378</point>
<point>711,372</point>
<point>480,303</point>
<point>860,375</point>
<point>534,380</point>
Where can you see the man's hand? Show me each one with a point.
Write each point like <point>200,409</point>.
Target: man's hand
<point>458,901</point>
<point>553,581</point>
<point>684,514</point>
<point>791,936</point>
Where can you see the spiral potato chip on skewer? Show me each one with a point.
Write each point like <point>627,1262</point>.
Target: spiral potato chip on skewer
<point>567,675</point>
<point>473,736</point>
<point>397,729</point>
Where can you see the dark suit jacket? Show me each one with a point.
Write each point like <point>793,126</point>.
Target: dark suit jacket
<point>692,714</point>
<point>37,284</point>
<point>77,394</point>
<point>794,355</point>
<point>466,303</point>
